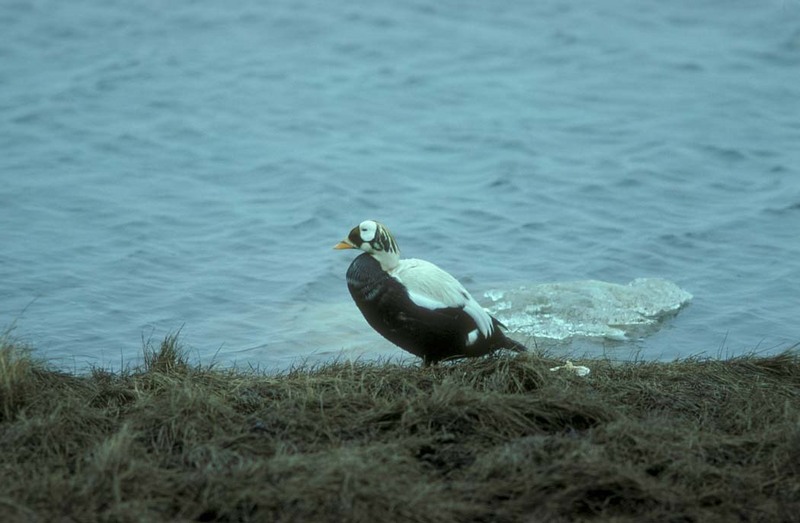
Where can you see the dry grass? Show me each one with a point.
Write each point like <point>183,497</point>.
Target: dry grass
<point>498,439</point>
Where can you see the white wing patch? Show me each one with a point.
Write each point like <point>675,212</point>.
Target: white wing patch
<point>431,287</point>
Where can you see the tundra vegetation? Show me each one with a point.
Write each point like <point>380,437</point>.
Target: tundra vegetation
<point>495,439</point>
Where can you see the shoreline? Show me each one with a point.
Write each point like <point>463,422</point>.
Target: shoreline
<point>500,438</point>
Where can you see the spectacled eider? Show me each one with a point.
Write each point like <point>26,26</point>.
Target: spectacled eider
<point>415,304</point>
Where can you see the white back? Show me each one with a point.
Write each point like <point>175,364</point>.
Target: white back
<point>433,288</point>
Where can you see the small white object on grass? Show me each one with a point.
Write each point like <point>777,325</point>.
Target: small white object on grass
<point>580,370</point>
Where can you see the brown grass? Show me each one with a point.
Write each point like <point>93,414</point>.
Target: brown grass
<point>497,439</point>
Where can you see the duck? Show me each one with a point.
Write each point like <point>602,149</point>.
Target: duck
<point>416,305</point>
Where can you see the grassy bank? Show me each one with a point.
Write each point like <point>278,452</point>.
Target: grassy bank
<point>495,439</point>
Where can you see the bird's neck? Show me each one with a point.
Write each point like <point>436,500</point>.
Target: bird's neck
<point>388,260</point>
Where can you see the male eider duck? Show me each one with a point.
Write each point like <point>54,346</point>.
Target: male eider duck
<point>415,304</point>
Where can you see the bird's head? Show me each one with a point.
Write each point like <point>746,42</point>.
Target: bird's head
<point>374,239</point>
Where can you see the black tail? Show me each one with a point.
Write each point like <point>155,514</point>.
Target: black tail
<point>514,345</point>
<point>505,342</point>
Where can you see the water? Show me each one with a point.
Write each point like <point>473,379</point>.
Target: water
<point>189,166</point>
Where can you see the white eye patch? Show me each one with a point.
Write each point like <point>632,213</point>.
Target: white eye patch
<point>367,230</point>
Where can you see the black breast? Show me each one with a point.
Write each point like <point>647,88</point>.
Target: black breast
<point>384,302</point>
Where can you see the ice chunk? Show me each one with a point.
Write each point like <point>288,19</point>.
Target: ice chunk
<point>590,308</point>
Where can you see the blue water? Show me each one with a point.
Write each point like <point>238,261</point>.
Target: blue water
<point>189,165</point>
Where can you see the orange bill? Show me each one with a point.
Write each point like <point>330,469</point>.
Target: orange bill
<point>343,245</point>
